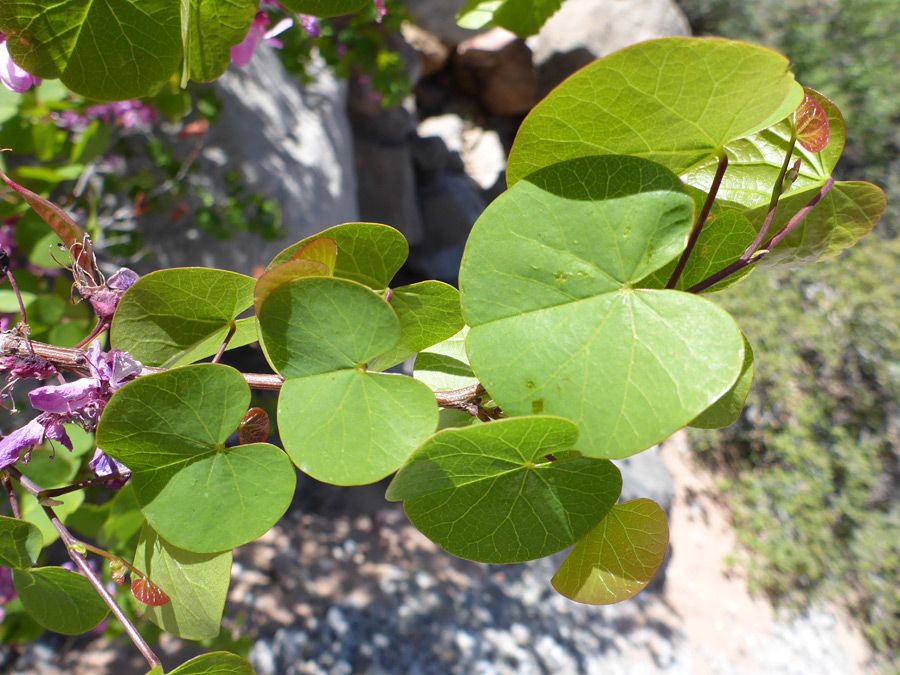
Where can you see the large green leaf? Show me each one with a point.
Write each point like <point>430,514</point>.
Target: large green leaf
<point>844,216</point>
<point>557,325</point>
<point>169,313</point>
<point>445,366</point>
<point>170,429</point>
<point>618,558</point>
<point>20,543</point>
<point>109,49</point>
<point>488,493</point>
<point>60,600</point>
<point>754,162</point>
<point>429,313</point>
<point>217,663</point>
<point>325,8</point>
<point>522,17</point>
<point>196,584</point>
<point>677,101</point>
<point>339,422</point>
<point>213,28</point>
<point>367,252</point>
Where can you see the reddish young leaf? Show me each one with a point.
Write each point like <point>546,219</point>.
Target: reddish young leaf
<point>149,593</point>
<point>283,274</point>
<point>254,427</point>
<point>811,123</point>
<point>322,250</point>
<point>64,227</point>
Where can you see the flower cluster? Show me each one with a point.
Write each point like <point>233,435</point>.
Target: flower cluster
<point>79,402</point>
<point>125,114</point>
<point>13,77</point>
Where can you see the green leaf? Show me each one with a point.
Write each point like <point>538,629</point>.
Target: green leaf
<point>445,366</point>
<point>196,584</point>
<point>320,324</point>
<point>844,216</point>
<point>244,334</point>
<point>217,663</point>
<point>755,162</point>
<point>522,17</point>
<point>169,429</point>
<point>285,273</point>
<point>367,252</point>
<point>120,530</point>
<point>325,8</point>
<point>727,410</point>
<point>695,95</point>
<point>111,50</point>
<point>338,422</point>
<point>557,326</point>
<point>20,543</point>
<point>60,600</point>
<point>722,241</point>
<point>429,313</point>
<point>93,142</point>
<point>214,27</point>
<point>352,428</point>
<point>169,313</point>
<point>482,492</point>
<point>618,558</point>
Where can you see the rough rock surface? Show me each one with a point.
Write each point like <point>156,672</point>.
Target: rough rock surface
<point>292,143</point>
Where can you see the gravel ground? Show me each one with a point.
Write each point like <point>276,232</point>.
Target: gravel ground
<point>361,591</point>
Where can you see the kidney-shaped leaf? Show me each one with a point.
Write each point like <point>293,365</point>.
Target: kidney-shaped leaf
<point>727,410</point>
<point>676,101</point>
<point>20,543</point>
<point>338,422</point>
<point>213,28</point>
<point>618,558</point>
<point>754,162</point>
<point>844,216</point>
<point>111,50</point>
<point>557,325</point>
<point>196,584</point>
<point>487,492</point>
<point>217,663</point>
<point>60,600</point>
<point>366,252</point>
<point>170,429</point>
<point>429,313</point>
<point>168,313</point>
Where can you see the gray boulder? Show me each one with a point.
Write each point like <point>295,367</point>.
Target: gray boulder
<point>289,142</point>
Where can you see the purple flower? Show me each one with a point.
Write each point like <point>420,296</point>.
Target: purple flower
<point>32,434</point>
<point>127,114</point>
<point>7,590</point>
<point>12,76</point>
<point>112,368</point>
<point>65,398</point>
<point>242,53</point>
<point>310,24</point>
<point>104,465</point>
<point>380,10</point>
<point>28,368</point>
<point>122,280</point>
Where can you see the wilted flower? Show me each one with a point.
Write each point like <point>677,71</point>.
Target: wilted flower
<point>12,76</point>
<point>104,465</point>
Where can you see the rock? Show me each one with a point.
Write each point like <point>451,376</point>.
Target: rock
<point>291,143</point>
<point>481,151</point>
<point>497,68</point>
<point>387,187</point>
<point>433,54</point>
<point>584,30</point>
<point>645,475</point>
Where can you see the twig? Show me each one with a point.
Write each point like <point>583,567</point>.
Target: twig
<point>773,205</point>
<point>701,221</point>
<point>73,359</point>
<point>13,498</point>
<point>83,485</point>
<point>71,545</point>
